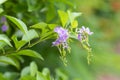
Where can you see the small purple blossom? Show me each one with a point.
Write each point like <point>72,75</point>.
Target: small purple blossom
<point>3,19</point>
<point>62,37</point>
<point>79,36</point>
<point>4,28</point>
<point>85,30</point>
<point>82,32</point>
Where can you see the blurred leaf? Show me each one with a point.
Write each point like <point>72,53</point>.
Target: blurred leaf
<point>19,24</point>
<point>11,75</point>
<point>40,76</point>
<point>63,17</point>
<point>52,26</point>
<point>40,25</point>
<point>61,75</point>
<point>30,6</point>
<point>50,12</point>
<point>10,60</point>
<point>5,39</point>
<point>31,34</point>
<point>18,44</point>
<point>2,77</point>
<point>30,53</point>
<point>25,71</point>
<point>2,1</point>
<point>74,24</point>
<point>46,73</point>
<point>1,10</point>
<point>33,69</point>
<point>74,15</point>
<point>27,77</point>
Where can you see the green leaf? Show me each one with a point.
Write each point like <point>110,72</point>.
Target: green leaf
<point>61,75</point>
<point>2,1</point>
<point>18,44</point>
<point>25,71</point>
<point>5,39</point>
<point>40,25</point>
<point>19,24</point>
<point>11,75</point>
<point>52,26</point>
<point>2,77</point>
<point>73,15</point>
<point>31,34</point>
<point>1,10</point>
<point>10,60</point>
<point>74,24</point>
<point>63,17</point>
<point>40,76</point>
<point>30,53</point>
<point>46,73</point>
<point>33,69</point>
<point>27,77</point>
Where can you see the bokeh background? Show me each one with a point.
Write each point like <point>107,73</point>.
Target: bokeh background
<point>103,18</point>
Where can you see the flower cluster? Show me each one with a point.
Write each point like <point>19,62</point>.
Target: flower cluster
<point>83,33</point>
<point>4,27</point>
<point>62,37</point>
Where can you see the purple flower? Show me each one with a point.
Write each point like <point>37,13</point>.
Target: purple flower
<point>3,19</point>
<point>83,32</point>
<point>62,37</point>
<point>4,28</point>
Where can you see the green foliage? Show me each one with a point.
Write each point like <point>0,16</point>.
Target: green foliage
<point>19,24</point>
<point>10,60</point>
<point>30,34</point>
<point>4,40</point>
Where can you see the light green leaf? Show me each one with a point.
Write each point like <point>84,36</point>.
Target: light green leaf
<point>73,15</point>
<point>5,39</point>
<point>63,17</point>
<point>46,73</point>
<point>18,44</point>
<point>61,75</point>
<point>11,75</point>
<point>74,24</point>
<point>40,25</point>
<point>20,24</point>
<point>33,69</point>
<point>1,10</point>
<point>2,77</point>
<point>40,76</point>
<point>31,34</point>
<point>25,71</point>
<point>10,60</point>
<point>27,77</point>
<point>52,26</point>
<point>30,53</point>
<point>2,1</point>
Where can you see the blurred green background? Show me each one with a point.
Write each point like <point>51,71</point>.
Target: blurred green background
<point>103,18</point>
